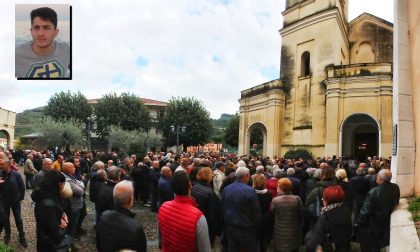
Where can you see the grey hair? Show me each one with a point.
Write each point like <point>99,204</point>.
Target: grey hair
<point>114,173</point>
<point>259,169</point>
<point>277,173</point>
<point>371,171</point>
<point>270,169</point>
<point>241,172</point>
<point>317,173</point>
<point>385,175</point>
<point>196,161</point>
<point>241,163</point>
<point>46,160</point>
<point>101,175</point>
<point>98,164</point>
<point>123,191</point>
<point>290,171</point>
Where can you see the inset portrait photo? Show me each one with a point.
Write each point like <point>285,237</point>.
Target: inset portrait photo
<point>43,41</point>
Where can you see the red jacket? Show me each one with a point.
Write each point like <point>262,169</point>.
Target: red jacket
<point>272,186</point>
<point>178,223</point>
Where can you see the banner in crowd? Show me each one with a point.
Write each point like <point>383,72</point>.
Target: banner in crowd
<point>210,147</point>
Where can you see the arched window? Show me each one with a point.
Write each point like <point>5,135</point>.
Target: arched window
<point>305,62</point>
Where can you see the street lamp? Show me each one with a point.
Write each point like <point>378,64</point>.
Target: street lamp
<point>89,127</point>
<point>177,130</point>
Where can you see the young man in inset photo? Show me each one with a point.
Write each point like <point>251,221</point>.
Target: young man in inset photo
<point>43,57</point>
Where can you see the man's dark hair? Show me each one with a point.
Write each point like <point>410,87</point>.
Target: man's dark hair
<point>72,158</point>
<point>45,13</point>
<point>180,183</point>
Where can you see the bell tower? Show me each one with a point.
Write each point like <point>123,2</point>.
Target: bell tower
<point>314,36</point>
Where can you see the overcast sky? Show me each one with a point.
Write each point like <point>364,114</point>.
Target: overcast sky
<point>208,49</point>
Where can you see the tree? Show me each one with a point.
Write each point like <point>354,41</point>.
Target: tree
<point>126,111</point>
<point>188,112</point>
<point>132,141</point>
<point>66,134</point>
<point>65,106</point>
<point>232,131</point>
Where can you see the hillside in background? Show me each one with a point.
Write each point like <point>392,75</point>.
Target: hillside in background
<point>25,121</point>
<point>219,127</point>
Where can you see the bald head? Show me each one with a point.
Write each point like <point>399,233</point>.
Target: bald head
<point>123,194</point>
<point>114,173</point>
<point>69,169</point>
<point>362,165</point>
<point>166,171</point>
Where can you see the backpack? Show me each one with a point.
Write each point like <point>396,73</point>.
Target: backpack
<point>316,207</point>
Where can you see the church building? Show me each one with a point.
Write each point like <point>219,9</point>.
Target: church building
<point>334,92</point>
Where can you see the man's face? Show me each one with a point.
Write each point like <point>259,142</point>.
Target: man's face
<point>76,162</point>
<point>47,165</point>
<point>43,32</point>
<point>4,166</point>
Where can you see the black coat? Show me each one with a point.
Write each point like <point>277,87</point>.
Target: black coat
<point>357,190</point>
<point>48,213</point>
<point>375,215</point>
<point>154,176</point>
<point>37,163</point>
<point>118,229</point>
<point>337,223</point>
<point>209,204</point>
<point>265,229</point>
<point>165,192</point>
<point>105,199</point>
<point>13,189</point>
<point>2,216</point>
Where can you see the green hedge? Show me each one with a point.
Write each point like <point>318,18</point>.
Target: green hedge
<point>5,248</point>
<point>298,153</point>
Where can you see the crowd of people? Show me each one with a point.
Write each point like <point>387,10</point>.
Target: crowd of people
<point>202,201</point>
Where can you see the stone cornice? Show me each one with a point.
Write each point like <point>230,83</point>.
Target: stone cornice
<point>274,85</point>
<point>358,79</point>
<point>316,18</point>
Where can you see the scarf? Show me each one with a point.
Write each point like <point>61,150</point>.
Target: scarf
<point>330,207</point>
<point>261,191</point>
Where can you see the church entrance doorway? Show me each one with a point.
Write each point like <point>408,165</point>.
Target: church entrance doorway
<point>257,139</point>
<point>360,137</point>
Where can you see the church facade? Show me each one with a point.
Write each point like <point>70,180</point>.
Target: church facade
<point>334,92</point>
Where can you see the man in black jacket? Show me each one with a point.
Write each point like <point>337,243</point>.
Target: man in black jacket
<point>105,200</point>
<point>165,192</point>
<point>154,176</point>
<point>375,214</point>
<point>118,229</point>
<point>12,190</point>
<point>357,189</point>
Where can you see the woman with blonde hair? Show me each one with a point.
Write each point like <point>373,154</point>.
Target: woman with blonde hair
<point>265,227</point>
